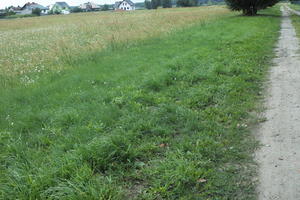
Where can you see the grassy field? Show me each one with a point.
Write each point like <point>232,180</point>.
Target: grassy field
<point>51,42</point>
<point>295,6</point>
<point>162,118</point>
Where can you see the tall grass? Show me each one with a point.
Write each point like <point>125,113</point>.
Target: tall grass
<point>164,119</point>
<point>49,43</point>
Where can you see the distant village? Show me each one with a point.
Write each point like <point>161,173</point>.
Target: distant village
<point>35,9</point>
<point>32,8</point>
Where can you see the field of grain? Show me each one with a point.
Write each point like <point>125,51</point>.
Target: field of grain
<point>46,43</point>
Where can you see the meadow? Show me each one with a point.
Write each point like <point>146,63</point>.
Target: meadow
<point>159,108</point>
<point>295,18</point>
<point>49,43</point>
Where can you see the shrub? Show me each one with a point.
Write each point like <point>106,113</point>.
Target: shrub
<point>36,11</point>
<point>105,7</point>
<point>9,13</point>
<point>76,10</point>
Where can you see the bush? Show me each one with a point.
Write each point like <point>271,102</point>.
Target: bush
<point>19,16</point>
<point>76,10</point>
<point>36,11</point>
<point>57,12</point>
<point>9,13</point>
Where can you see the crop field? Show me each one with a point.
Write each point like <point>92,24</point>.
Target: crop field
<point>46,43</point>
<point>146,105</point>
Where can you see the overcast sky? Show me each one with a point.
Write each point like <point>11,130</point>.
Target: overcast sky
<point>6,3</point>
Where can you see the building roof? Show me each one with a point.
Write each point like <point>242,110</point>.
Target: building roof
<point>118,3</point>
<point>16,8</point>
<point>90,5</point>
<point>31,6</point>
<point>62,4</point>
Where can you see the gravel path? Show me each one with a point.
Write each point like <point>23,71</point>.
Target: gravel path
<point>279,158</point>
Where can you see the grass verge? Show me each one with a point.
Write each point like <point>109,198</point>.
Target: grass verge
<point>295,6</point>
<point>295,19</point>
<point>163,119</point>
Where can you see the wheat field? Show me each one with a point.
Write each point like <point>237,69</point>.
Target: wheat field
<point>36,44</point>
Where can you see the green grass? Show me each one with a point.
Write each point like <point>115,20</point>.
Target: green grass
<point>295,19</point>
<point>295,6</point>
<point>19,16</point>
<point>162,119</point>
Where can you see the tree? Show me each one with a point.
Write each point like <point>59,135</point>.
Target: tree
<point>9,11</point>
<point>36,11</point>
<point>167,3</point>
<point>295,1</point>
<point>76,10</point>
<point>250,7</point>
<point>187,3</point>
<point>148,4</point>
<point>155,4</point>
<point>105,7</point>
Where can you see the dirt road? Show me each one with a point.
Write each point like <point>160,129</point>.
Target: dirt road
<point>279,158</point>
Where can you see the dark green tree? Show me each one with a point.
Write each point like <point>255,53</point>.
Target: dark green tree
<point>295,1</point>
<point>148,4</point>
<point>187,3</point>
<point>155,4</point>
<point>9,12</point>
<point>167,3</point>
<point>250,7</point>
<point>105,7</point>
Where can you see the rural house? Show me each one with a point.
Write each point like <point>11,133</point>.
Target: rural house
<point>15,9</point>
<point>89,6</point>
<point>60,8</point>
<point>124,5</point>
<point>29,7</point>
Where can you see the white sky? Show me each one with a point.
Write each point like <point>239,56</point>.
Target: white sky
<point>6,3</point>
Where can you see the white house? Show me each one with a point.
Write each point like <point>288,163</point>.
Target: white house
<point>29,7</point>
<point>124,5</point>
<point>60,8</point>
<point>89,6</point>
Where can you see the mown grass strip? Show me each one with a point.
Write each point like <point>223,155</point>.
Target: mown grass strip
<point>164,119</point>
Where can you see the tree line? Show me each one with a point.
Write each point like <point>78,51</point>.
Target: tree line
<point>154,4</point>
